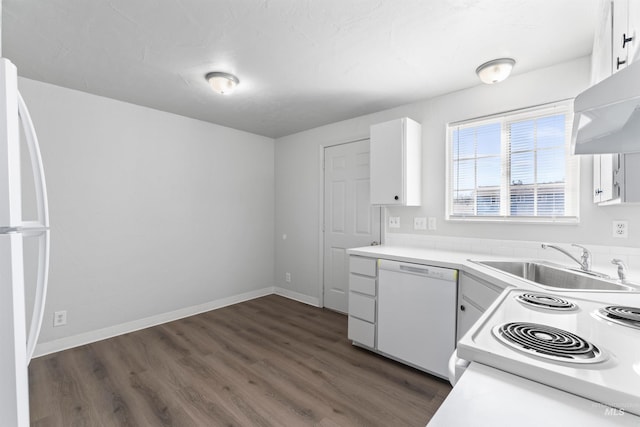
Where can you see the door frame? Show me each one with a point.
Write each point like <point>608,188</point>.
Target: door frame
<point>383,215</point>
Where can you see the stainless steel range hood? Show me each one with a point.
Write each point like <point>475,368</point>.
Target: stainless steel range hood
<point>607,115</point>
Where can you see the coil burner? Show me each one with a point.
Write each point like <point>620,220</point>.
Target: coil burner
<point>549,302</point>
<point>627,316</point>
<point>547,342</point>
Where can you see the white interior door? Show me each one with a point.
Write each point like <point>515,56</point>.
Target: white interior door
<point>349,219</point>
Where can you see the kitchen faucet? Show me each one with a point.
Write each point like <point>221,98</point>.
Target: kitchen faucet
<point>584,261</point>
<point>622,269</point>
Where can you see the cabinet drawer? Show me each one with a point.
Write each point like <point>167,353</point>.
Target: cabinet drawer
<point>362,332</point>
<point>361,265</point>
<point>364,285</point>
<point>478,291</point>
<point>362,307</point>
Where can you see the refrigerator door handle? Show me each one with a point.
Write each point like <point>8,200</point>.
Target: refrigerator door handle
<point>9,230</point>
<point>36,162</point>
<point>41,293</point>
<point>43,221</point>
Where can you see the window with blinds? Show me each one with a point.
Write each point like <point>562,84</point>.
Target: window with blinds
<point>514,166</point>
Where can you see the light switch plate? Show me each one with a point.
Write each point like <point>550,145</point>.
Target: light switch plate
<point>432,223</point>
<point>394,222</point>
<point>419,223</point>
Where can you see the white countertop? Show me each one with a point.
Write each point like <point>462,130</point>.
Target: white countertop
<point>460,260</point>
<point>486,396</point>
<point>451,259</point>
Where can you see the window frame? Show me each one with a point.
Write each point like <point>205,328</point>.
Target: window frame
<point>572,166</point>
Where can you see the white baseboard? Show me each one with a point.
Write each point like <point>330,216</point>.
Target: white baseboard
<point>297,296</point>
<point>124,328</point>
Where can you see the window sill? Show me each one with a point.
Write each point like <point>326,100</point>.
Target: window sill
<point>518,220</point>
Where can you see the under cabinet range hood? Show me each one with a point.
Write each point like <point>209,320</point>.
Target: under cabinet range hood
<point>607,115</point>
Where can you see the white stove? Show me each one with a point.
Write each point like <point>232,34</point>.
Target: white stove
<point>587,347</point>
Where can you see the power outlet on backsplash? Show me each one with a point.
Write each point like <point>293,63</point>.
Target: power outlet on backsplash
<point>621,229</point>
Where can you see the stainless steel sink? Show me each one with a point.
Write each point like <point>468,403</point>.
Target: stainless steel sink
<point>557,277</point>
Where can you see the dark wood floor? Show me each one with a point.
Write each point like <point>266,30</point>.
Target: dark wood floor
<point>269,361</point>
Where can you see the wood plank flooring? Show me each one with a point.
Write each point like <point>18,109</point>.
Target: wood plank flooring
<point>265,362</point>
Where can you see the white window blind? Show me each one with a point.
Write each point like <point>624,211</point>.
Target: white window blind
<point>514,166</point>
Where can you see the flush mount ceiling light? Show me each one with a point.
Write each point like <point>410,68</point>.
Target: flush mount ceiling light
<point>495,71</point>
<point>223,83</point>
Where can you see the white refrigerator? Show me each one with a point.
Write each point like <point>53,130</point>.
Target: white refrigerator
<point>17,344</point>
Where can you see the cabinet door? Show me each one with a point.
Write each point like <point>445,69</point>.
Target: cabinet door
<point>597,189</point>
<point>620,22</point>
<point>630,177</point>
<point>475,295</point>
<point>387,154</point>
<point>633,30</point>
<point>602,56</point>
<point>603,183</point>
<point>468,314</point>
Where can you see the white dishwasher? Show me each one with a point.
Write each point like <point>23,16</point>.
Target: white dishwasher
<point>417,314</point>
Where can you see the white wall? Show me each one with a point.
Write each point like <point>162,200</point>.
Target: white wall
<point>151,212</point>
<point>298,183</point>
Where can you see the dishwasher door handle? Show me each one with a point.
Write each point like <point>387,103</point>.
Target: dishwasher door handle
<point>416,270</point>
<point>422,270</point>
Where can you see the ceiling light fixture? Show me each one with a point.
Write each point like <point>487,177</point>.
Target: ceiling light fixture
<point>223,83</point>
<point>496,70</point>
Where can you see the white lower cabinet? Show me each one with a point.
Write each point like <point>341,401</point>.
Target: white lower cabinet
<point>468,314</point>
<point>362,307</point>
<point>361,332</point>
<point>363,273</point>
<point>475,295</point>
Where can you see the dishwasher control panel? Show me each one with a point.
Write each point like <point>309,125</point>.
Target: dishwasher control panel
<point>419,269</point>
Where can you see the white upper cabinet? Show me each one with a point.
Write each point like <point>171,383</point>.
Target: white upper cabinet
<point>615,46</point>
<point>604,186</point>
<point>616,42</point>
<point>396,171</point>
<point>624,37</point>
<point>633,30</point>
<point>602,57</point>
<point>616,178</point>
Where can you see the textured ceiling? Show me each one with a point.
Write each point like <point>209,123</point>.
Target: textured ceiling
<point>301,63</point>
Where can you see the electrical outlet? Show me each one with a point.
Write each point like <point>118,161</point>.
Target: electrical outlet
<point>394,222</point>
<point>432,223</point>
<point>60,318</point>
<point>419,223</point>
<point>287,277</point>
<point>621,229</point>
